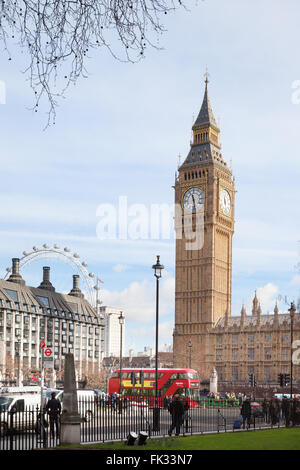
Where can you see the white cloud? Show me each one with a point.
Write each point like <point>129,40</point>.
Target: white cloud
<point>165,335</point>
<point>120,267</point>
<point>266,296</point>
<point>138,300</point>
<point>295,281</point>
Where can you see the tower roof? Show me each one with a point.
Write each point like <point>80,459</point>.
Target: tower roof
<point>205,146</point>
<point>206,115</point>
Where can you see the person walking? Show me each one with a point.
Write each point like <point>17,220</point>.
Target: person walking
<point>277,409</point>
<point>246,413</point>
<point>176,410</point>
<point>272,412</point>
<point>265,408</point>
<point>286,411</point>
<point>53,408</point>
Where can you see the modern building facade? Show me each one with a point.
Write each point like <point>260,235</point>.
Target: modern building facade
<point>66,323</point>
<point>206,335</point>
<point>112,331</point>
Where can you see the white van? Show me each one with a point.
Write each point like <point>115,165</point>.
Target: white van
<point>86,401</point>
<point>18,411</point>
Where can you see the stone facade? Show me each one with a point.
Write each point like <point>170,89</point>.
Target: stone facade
<point>259,344</point>
<point>67,323</point>
<point>203,276</point>
<point>206,335</point>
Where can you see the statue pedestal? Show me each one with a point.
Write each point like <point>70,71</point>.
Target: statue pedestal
<point>70,419</point>
<point>213,383</point>
<point>70,429</point>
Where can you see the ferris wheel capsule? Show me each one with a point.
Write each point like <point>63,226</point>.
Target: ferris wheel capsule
<point>91,274</point>
<point>76,255</point>
<point>84,264</point>
<point>67,250</point>
<point>35,248</point>
<point>57,247</point>
<point>46,246</point>
<point>25,253</point>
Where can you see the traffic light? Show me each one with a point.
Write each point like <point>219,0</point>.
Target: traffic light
<point>280,380</point>
<point>286,379</point>
<point>252,380</point>
<point>133,379</point>
<point>142,378</point>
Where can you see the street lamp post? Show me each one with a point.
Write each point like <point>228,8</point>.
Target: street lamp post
<point>292,311</point>
<point>18,336</point>
<point>190,353</point>
<point>121,322</point>
<point>157,273</point>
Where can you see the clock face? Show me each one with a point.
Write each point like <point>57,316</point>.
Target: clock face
<point>193,200</point>
<point>225,202</point>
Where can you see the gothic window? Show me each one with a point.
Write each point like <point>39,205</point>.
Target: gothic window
<point>268,338</point>
<point>251,354</point>
<point>268,373</point>
<point>250,339</point>
<point>219,355</point>
<point>285,354</point>
<point>235,339</point>
<point>235,355</point>
<point>235,373</point>
<point>219,339</point>
<point>268,354</point>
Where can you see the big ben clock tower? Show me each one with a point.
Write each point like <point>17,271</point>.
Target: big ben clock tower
<point>203,275</point>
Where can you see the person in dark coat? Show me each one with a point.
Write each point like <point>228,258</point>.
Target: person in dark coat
<point>246,413</point>
<point>286,411</point>
<point>176,410</point>
<point>273,412</point>
<point>53,408</point>
<point>265,408</point>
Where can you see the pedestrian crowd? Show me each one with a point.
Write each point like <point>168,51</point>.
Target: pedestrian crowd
<point>286,410</point>
<point>114,401</point>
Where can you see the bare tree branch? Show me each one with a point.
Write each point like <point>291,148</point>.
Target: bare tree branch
<point>58,35</point>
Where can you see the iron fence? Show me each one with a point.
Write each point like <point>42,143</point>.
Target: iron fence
<point>111,420</point>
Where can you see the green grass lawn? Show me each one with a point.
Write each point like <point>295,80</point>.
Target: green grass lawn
<point>273,439</point>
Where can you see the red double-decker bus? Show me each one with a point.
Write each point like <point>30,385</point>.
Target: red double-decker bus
<point>184,382</point>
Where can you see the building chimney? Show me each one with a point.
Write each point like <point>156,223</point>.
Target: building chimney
<point>76,292</point>
<point>15,275</point>
<point>46,284</point>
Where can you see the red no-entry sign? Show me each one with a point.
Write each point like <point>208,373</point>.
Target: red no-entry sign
<point>42,344</point>
<point>48,352</point>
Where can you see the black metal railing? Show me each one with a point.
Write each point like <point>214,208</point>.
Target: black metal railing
<point>113,419</point>
<point>23,430</point>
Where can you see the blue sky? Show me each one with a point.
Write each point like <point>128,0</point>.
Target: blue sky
<point>119,133</point>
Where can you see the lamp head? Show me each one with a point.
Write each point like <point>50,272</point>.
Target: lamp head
<point>157,268</point>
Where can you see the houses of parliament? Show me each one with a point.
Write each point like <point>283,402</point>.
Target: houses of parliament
<point>206,334</point>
